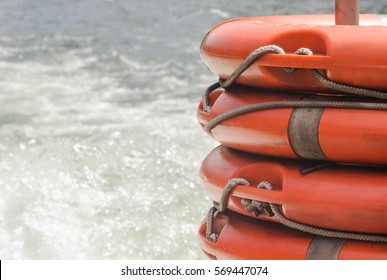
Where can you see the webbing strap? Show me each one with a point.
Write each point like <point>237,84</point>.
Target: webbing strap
<point>323,248</point>
<point>303,130</point>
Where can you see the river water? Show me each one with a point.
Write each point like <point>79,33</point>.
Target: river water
<point>99,144</point>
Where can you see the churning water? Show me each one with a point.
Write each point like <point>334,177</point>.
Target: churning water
<point>99,144</point>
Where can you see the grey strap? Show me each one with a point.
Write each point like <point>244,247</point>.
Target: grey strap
<point>303,131</point>
<point>323,248</point>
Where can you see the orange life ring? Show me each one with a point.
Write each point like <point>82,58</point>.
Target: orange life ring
<point>339,197</point>
<point>352,55</point>
<point>242,238</point>
<point>341,135</point>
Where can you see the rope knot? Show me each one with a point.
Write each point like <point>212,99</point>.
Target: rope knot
<point>258,207</point>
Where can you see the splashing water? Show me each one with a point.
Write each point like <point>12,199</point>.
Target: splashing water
<point>100,148</point>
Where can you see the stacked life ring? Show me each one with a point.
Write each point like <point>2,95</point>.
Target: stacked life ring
<point>301,112</point>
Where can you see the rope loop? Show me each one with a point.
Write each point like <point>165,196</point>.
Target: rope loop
<point>206,97</point>
<point>210,234</point>
<point>300,51</point>
<point>221,206</point>
<point>251,58</point>
<point>232,183</point>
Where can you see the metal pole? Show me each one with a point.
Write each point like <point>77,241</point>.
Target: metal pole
<point>347,12</point>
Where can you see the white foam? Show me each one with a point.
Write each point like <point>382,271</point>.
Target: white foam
<point>220,13</point>
<point>85,173</point>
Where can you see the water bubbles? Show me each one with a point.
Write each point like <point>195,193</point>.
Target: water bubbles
<point>220,13</point>
<point>24,180</point>
<point>18,231</point>
<point>99,153</point>
<point>77,148</point>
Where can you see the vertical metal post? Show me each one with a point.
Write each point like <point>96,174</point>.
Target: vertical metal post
<point>347,12</point>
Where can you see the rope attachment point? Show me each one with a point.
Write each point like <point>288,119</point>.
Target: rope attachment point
<point>276,212</point>
<point>221,206</point>
<point>259,52</point>
<point>258,207</point>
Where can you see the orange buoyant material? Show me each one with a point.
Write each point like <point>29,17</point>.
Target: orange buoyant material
<point>351,55</point>
<point>340,135</point>
<point>244,238</point>
<point>338,197</point>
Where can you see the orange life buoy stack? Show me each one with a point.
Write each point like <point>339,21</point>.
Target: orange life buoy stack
<point>301,112</point>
